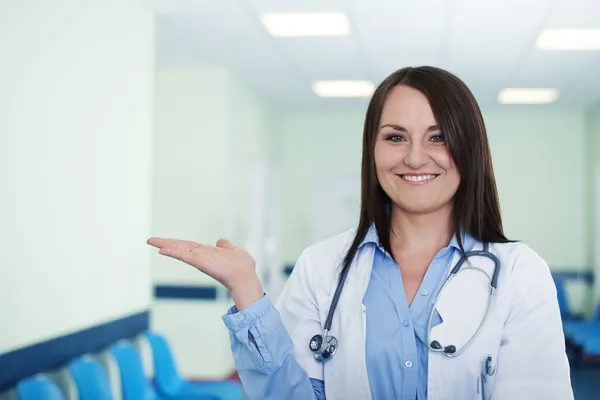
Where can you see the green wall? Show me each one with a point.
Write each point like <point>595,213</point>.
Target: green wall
<point>593,192</point>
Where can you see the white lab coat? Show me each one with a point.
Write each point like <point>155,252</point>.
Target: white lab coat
<point>523,332</point>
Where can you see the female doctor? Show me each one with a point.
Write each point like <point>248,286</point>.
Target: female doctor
<point>426,298</point>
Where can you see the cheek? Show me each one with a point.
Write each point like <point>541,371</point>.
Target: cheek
<point>386,157</point>
<point>379,159</point>
<point>451,170</point>
<point>443,159</point>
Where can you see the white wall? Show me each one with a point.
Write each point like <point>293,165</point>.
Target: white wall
<point>75,159</point>
<point>212,136</point>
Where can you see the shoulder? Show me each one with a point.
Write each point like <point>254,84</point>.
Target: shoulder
<point>517,256</point>
<point>326,256</point>
<point>523,268</point>
<point>333,245</point>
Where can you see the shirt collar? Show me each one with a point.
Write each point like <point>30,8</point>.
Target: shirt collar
<point>468,240</point>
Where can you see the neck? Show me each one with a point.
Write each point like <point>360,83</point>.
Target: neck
<point>421,232</point>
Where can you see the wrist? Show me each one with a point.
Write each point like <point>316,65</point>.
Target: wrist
<point>247,292</point>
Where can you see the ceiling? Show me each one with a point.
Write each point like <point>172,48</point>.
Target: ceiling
<point>487,43</point>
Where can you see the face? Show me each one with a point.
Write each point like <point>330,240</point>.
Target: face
<point>413,164</point>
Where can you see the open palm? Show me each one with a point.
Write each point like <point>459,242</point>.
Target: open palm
<point>224,262</point>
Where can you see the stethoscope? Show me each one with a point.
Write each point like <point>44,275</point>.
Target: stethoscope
<point>324,346</point>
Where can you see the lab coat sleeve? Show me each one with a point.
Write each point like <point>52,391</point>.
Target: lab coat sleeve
<point>532,362</point>
<point>263,353</point>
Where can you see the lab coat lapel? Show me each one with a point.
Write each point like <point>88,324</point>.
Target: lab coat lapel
<point>460,307</point>
<point>349,326</point>
<point>445,329</point>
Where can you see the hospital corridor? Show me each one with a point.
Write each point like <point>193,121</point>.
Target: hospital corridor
<point>290,200</point>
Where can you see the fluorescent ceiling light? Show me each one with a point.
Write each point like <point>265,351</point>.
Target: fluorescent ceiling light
<point>527,96</point>
<point>343,88</point>
<point>306,24</point>
<point>569,39</point>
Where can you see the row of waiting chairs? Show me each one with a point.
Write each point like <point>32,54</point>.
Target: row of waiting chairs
<point>583,334</point>
<point>119,373</point>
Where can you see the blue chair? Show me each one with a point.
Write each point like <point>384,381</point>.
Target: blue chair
<point>171,385</point>
<point>91,379</point>
<point>134,384</point>
<point>563,302</point>
<point>578,331</point>
<point>38,388</point>
<point>591,347</point>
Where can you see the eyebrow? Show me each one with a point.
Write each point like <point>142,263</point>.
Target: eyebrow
<point>399,128</point>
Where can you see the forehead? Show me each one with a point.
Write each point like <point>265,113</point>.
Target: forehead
<point>407,105</point>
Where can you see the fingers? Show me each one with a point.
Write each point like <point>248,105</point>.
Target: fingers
<point>178,254</point>
<point>182,250</point>
<point>189,252</point>
<point>172,243</point>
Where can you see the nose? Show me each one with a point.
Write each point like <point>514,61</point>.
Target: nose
<point>417,156</point>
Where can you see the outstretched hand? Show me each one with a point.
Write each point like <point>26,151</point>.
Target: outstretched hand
<point>231,266</point>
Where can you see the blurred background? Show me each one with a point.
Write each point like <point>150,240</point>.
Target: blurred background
<point>243,119</point>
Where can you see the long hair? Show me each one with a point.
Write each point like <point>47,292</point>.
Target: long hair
<point>476,208</point>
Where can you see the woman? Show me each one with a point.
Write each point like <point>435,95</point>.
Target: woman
<point>428,197</point>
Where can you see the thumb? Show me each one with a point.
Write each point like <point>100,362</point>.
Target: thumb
<point>225,244</point>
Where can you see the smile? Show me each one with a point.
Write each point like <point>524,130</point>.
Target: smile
<point>418,179</point>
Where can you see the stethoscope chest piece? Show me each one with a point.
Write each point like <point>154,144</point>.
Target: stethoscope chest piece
<point>323,346</point>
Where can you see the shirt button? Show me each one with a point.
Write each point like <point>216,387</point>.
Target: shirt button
<point>242,317</point>
<point>424,292</point>
<point>408,364</point>
<point>405,322</point>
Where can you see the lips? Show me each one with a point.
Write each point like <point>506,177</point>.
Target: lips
<point>418,178</point>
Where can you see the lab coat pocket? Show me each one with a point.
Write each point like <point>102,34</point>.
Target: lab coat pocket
<point>487,377</point>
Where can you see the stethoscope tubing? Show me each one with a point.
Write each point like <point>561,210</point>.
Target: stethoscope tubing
<point>454,272</point>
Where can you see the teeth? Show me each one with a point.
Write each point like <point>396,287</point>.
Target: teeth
<point>417,178</point>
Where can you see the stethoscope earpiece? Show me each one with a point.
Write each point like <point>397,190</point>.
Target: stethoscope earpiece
<point>435,345</point>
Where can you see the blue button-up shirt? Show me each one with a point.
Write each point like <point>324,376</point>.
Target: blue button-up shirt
<point>396,340</point>
<point>396,347</point>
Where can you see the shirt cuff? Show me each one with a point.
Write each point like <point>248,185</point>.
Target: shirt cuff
<point>235,320</point>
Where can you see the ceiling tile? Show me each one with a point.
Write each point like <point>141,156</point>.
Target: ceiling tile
<point>574,14</point>
<point>263,6</point>
<point>326,58</point>
<point>194,6</point>
<point>234,41</point>
<point>550,69</point>
<point>488,44</point>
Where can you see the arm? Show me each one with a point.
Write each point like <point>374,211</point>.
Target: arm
<point>532,363</point>
<point>268,360</point>
<point>263,350</point>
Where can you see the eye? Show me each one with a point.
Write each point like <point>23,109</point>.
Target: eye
<point>395,138</point>
<point>437,138</point>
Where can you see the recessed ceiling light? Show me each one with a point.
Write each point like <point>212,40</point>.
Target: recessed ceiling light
<point>569,39</point>
<point>343,88</point>
<point>306,24</point>
<point>527,96</point>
